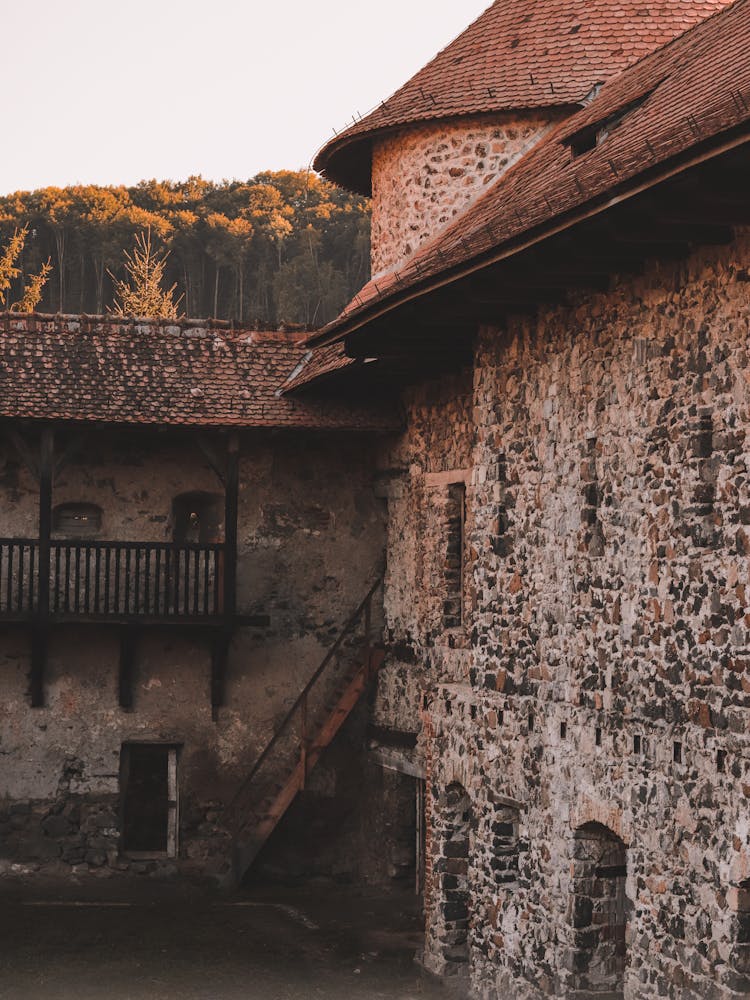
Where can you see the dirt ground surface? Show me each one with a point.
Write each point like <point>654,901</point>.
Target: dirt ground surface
<point>113,941</point>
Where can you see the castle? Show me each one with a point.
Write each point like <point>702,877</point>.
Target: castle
<point>460,584</point>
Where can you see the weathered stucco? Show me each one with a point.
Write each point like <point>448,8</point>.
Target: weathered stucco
<point>596,701</point>
<point>424,176</point>
<point>311,536</point>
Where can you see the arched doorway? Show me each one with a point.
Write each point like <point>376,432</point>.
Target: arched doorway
<point>599,912</point>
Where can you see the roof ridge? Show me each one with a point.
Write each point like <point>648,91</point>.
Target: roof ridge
<point>562,49</point>
<point>539,188</point>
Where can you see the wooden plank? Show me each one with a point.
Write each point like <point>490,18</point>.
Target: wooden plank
<point>24,451</point>
<point>41,618</point>
<point>46,463</point>
<point>212,456</point>
<point>173,792</point>
<point>249,844</point>
<point>74,446</point>
<point>231,510</point>
<point>437,480</point>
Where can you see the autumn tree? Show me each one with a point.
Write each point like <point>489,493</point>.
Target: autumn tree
<point>237,249</point>
<point>142,292</point>
<point>10,270</point>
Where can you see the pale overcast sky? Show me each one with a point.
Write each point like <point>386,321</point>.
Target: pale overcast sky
<point>109,93</point>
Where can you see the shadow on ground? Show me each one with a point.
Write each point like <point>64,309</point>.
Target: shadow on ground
<point>154,942</point>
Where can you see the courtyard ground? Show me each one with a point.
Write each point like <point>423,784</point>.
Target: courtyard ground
<point>119,941</point>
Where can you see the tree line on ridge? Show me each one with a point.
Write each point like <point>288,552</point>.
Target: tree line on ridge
<point>284,247</point>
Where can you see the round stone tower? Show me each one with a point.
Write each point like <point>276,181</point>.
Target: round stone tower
<point>431,150</point>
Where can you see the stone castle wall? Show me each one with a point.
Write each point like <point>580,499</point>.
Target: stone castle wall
<point>311,535</point>
<point>595,704</point>
<point>424,176</point>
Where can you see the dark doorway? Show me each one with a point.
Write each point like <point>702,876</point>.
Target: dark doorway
<point>149,799</point>
<point>197,518</point>
<point>599,910</point>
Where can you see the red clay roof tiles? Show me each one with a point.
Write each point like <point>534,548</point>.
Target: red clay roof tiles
<point>318,365</point>
<point>518,55</point>
<point>99,369</point>
<point>687,94</point>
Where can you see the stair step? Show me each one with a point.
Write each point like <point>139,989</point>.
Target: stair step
<point>324,723</point>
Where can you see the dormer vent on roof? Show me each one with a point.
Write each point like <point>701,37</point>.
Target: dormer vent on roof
<point>591,136</point>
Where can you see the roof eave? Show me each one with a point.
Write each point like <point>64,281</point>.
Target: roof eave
<point>709,149</point>
<point>356,146</point>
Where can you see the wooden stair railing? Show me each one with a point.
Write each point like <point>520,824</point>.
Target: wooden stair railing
<point>308,728</point>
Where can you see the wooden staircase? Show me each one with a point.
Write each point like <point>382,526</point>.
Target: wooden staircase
<point>308,729</point>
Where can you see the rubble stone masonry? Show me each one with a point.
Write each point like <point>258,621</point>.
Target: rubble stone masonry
<point>423,177</point>
<point>586,727</point>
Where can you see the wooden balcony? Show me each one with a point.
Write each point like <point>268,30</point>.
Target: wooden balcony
<point>127,582</point>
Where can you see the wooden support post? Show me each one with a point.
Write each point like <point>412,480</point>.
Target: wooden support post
<point>219,657</point>
<point>128,645</point>
<point>41,616</point>
<point>231,506</point>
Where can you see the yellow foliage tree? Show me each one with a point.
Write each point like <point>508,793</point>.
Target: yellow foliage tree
<point>142,294</point>
<point>9,271</point>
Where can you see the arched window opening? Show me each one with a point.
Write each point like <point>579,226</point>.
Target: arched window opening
<point>77,520</point>
<point>452,819</point>
<point>197,517</point>
<point>599,911</point>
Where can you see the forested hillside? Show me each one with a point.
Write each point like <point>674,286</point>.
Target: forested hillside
<point>283,247</point>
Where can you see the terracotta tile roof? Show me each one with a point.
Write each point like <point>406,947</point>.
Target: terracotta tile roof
<point>686,97</point>
<point>519,54</point>
<point>138,372</point>
<point>318,365</point>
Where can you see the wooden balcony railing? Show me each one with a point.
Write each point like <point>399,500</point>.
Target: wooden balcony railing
<point>124,580</point>
<point>19,562</point>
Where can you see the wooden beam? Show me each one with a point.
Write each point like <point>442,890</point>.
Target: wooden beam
<point>126,677</point>
<point>41,618</point>
<point>74,446</point>
<point>231,510</point>
<point>211,455</point>
<point>24,451</point>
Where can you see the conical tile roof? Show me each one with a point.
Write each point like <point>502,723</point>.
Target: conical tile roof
<point>518,55</point>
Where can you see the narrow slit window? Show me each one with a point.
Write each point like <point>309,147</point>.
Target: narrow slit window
<point>455,565</point>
